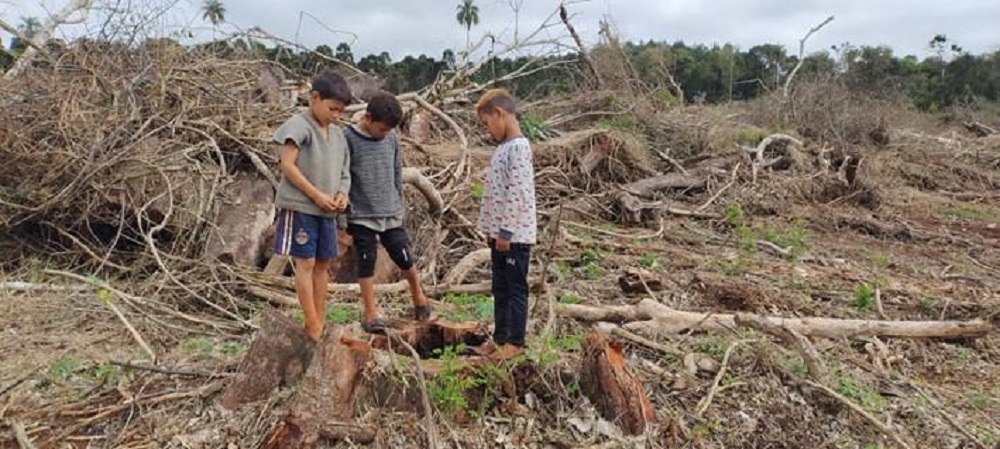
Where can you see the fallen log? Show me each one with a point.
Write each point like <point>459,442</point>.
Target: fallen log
<point>979,129</point>
<point>287,283</point>
<point>651,316</point>
<point>679,181</point>
<point>277,357</point>
<point>612,388</point>
<point>415,178</point>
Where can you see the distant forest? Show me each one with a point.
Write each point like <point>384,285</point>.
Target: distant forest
<point>948,76</point>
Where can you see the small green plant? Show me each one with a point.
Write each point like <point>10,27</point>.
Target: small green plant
<point>979,400</point>
<point>570,298</point>
<point>797,284</point>
<point>478,191</point>
<point>342,314</point>
<point>714,346</point>
<point>232,349</point>
<point>63,368</point>
<point>730,267</point>
<point>793,239</point>
<point>565,270</point>
<point>299,316</point>
<point>974,212</point>
<point>734,215</point>
<point>985,435</point>
<point>748,241</point>
<point>470,307</point>
<point>448,389</point>
<point>535,129</point>
<point>546,349</point>
<point>650,261</point>
<point>874,446</point>
<point>864,297</point>
<point>593,271</point>
<point>591,256</point>
<point>198,345</point>
<point>798,367</point>
<point>860,393</point>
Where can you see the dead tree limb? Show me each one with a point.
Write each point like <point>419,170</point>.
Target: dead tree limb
<point>655,317</point>
<point>584,55</point>
<point>979,129</point>
<point>465,266</point>
<point>415,178</point>
<point>814,363</point>
<point>802,53</point>
<point>645,188</point>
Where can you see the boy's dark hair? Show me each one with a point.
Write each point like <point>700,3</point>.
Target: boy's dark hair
<point>497,98</point>
<point>385,108</point>
<point>331,86</point>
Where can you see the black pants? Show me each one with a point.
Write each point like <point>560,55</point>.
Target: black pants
<point>510,293</point>
<point>395,241</point>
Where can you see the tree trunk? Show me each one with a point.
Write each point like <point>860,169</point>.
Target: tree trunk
<point>616,392</point>
<point>654,317</point>
<point>278,357</point>
<point>242,225</point>
<point>647,187</point>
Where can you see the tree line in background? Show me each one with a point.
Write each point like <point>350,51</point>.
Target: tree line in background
<point>946,77</point>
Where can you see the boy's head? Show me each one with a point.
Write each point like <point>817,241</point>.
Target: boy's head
<point>383,115</point>
<point>497,109</point>
<point>329,97</point>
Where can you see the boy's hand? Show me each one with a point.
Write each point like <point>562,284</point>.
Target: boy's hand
<point>326,202</point>
<point>341,202</point>
<point>503,245</point>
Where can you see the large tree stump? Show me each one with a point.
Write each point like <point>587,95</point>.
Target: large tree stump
<point>428,337</point>
<point>278,357</point>
<point>323,406</point>
<point>607,382</point>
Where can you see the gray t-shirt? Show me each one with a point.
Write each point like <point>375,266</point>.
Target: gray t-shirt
<point>325,162</point>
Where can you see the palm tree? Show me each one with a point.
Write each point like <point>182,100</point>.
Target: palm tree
<point>29,26</point>
<point>468,15</point>
<point>214,11</point>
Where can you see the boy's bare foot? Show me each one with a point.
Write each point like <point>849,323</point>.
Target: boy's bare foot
<point>485,350</point>
<point>507,352</point>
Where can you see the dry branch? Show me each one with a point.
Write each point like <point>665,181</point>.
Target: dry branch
<point>802,53</point>
<point>902,444</point>
<point>414,177</point>
<point>814,363</point>
<point>63,17</point>
<point>582,49</point>
<point>653,316</point>
<point>470,262</point>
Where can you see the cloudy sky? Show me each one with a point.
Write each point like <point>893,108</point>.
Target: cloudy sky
<point>428,26</point>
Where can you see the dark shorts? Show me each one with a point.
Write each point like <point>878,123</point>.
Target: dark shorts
<point>305,236</point>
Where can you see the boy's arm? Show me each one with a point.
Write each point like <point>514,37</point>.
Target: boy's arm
<point>345,173</point>
<point>289,154</point>
<point>398,168</point>
<point>515,190</point>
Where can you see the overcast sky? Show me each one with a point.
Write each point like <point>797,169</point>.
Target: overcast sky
<point>428,26</point>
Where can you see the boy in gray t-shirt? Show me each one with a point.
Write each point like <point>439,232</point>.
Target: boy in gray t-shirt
<point>377,207</point>
<point>315,181</point>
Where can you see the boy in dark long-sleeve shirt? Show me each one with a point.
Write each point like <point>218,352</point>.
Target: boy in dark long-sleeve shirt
<point>508,218</point>
<point>376,204</point>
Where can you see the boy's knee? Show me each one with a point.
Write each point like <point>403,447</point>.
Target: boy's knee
<point>397,245</point>
<point>367,256</point>
<point>305,264</point>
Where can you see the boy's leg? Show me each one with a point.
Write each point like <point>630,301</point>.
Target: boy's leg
<point>396,243</point>
<point>295,236</point>
<point>501,294</point>
<point>517,277</point>
<point>365,250</point>
<point>326,252</point>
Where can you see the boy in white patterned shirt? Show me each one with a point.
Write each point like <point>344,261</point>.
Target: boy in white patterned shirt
<point>508,218</point>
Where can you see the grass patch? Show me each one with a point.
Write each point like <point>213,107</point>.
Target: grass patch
<point>470,307</point>
<point>650,261</point>
<point>865,396</point>
<point>198,346</point>
<point>864,298</point>
<point>64,368</point>
<point>570,298</point>
<point>342,314</point>
<point>535,129</point>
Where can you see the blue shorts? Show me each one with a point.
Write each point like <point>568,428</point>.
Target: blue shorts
<point>305,236</point>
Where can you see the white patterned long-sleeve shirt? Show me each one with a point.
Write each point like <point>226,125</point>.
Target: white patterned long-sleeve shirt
<point>508,207</point>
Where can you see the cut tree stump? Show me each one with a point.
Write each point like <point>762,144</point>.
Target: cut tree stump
<point>324,403</point>
<point>432,335</point>
<point>278,357</point>
<point>616,392</point>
